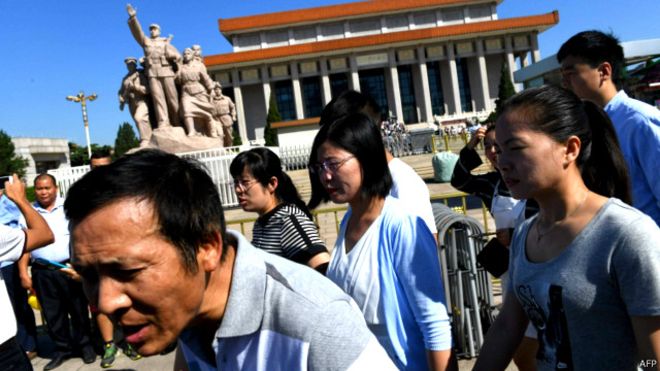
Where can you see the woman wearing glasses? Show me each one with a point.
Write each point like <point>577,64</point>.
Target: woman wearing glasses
<point>384,257</point>
<point>284,226</point>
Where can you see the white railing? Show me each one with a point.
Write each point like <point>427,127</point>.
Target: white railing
<point>66,176</point>
<point>295,157</point>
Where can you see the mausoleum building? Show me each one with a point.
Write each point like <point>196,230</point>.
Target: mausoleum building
<point>421,60</point>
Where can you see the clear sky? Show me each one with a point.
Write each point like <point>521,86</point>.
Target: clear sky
<point>52,49</point>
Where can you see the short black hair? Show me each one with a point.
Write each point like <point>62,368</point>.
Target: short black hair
<point>263,164</point>
<point>184,198</point>
<point>100,153</point>
<point>347,103</point>
<point>45,175</point>
<point>595,47</point>
<point>358,135</point>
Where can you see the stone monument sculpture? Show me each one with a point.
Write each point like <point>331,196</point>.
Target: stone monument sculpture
<point>196,88</point>
<point>160,58</point>
<point>225,113</point>
<point>134,91</point>
<point>175,104</point>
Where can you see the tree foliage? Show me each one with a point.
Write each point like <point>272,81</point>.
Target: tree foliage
<point>10,163</point>
<point>236,138</point>
<point>505,91</point>
<point>270,134</point>
<point>78,154</point>
<point>126,139</point>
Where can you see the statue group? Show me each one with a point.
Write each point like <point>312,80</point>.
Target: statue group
<point>172,90</point>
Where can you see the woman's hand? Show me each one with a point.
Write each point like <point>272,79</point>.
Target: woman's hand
<point>478,135</point>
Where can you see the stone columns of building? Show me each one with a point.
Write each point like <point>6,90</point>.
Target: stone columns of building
<point>354,81</point>
<point>394,97</point>
<point>508,48</point>
<point>326,92</point>
<point>483,75</point>
<point>240,111</point>
<point>536,54</point>
<point>265,83</point>
<point>427,108</point>
<point>453,79</point>
<point>297,93</point>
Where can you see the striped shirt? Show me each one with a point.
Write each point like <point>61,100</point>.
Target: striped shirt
<point>286,231</point>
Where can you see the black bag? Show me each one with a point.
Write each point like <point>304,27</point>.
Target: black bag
<point>494,257</point>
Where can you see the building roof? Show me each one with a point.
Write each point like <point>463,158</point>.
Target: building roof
<point>309,15</point>
<point>443,32</point>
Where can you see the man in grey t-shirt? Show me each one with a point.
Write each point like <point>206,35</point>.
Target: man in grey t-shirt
<point>149,240</point>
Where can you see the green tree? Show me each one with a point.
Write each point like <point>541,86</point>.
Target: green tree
<point>505,91</point>
<point>270,134</point>
<point>10,163</point>
<point>126,139</point>
<point>78,154</point>
<point>236,140</point>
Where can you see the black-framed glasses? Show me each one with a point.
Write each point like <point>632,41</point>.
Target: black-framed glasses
<point>244,185</point>
<point>329,165</point>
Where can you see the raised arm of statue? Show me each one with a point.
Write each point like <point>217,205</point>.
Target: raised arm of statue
<point>130,10</point>
<point>134,25</point>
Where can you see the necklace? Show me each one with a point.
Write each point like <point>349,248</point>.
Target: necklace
<point>540,235</point>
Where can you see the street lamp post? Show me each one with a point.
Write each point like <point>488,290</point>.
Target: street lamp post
<point>82,99</point>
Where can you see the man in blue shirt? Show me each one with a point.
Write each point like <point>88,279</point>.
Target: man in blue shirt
<point>591,65</point>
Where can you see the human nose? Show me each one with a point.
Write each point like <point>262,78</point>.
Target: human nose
<point>110,296</point>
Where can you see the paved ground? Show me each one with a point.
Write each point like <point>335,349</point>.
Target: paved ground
<point>327,223</point>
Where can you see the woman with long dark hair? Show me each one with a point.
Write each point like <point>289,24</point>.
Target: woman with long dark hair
<point>385,257</point>
<point>285,225</point>
<point>585,271</point>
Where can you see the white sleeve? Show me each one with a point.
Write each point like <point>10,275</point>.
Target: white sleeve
<point>12,242</point>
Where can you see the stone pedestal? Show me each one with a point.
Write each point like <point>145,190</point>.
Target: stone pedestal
<point>175,140</point>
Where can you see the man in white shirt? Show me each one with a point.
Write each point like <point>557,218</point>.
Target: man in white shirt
<point>13,243</point>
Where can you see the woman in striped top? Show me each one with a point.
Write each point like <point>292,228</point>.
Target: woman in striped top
<point>285,225</point>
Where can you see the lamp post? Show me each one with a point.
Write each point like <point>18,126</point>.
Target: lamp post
<point>82,99</point>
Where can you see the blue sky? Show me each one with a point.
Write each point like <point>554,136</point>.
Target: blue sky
<point>52,49</point>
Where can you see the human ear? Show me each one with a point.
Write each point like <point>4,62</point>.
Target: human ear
<point>209,252</point>
<point>573,147</point>
<point>605,70</point>
<point>272,184</point>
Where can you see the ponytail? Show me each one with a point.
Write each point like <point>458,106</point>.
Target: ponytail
<point>286,191</point>
<point>603,167</point>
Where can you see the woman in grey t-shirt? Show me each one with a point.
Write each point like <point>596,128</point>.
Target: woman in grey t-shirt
<point>586,270</point>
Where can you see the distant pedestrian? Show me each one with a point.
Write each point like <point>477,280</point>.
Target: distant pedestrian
<point>592,66</point>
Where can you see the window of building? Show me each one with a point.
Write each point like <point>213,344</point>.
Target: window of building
<point>338,83</point>
<point>407,90</point>
<point>286,104</point>
<point>424,19</point>
<point>365,26</point>
<point>396,22</point>
<point>44,166</point>
<point>304,34</point>
<point>252,40</point>
<point>278,37</point>
<point>453,15</point>
<point>311,95</point>
<point>372,83</point>
<point>435,87</point>
<point>464,85</point>
<point>332,30</point>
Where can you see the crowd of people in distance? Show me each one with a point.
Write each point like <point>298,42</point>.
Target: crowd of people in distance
<point>574,192</point>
